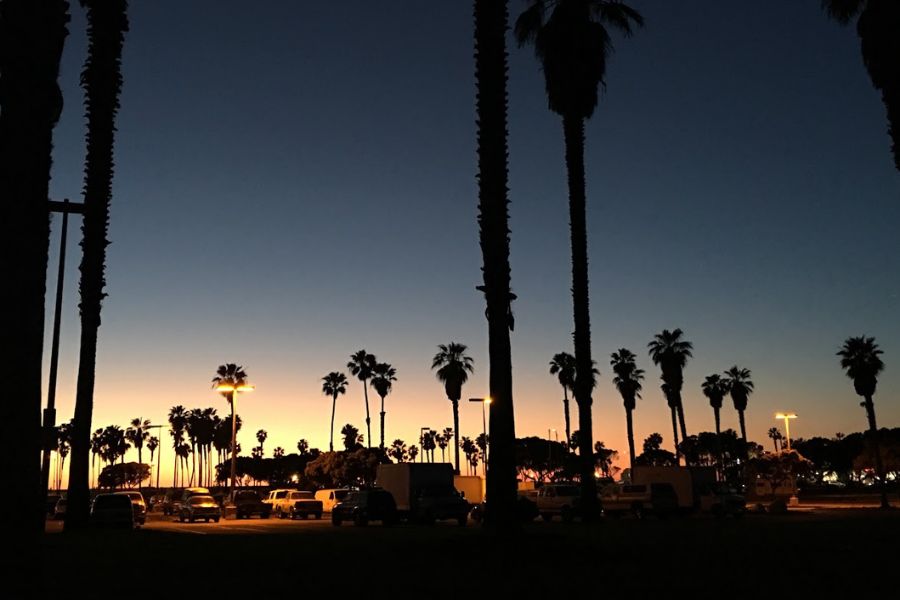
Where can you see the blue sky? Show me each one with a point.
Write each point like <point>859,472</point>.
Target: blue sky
<point>296,181</point>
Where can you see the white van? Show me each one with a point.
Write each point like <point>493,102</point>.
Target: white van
<point>331,497</point>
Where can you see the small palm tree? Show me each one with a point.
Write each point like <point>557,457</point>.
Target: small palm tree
<point>334,384</point>
<point>138,433</point>
<point>715,388</point>
<point>361,365</point>
<point>261,437</point>
<point>398,451</point>
<point>453,367</point>
<point>303,447</point>
<point>774,435</point>
<point>861,359</point>
<point>877,27</point>
<point>573,45</point>
<point>740,387</point>
<point>278,452</point>
<point>413,453</point>
<point>383,376</point>
<point>563,366</point>
<point>671,352</point>
<point>96,449</point>
<point>628,378</point>
<point>353,439</point>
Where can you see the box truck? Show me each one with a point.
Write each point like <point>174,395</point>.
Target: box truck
<point>423,491</point>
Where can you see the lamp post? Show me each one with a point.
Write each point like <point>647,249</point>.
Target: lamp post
<point>549,446</point>
<point>234,390</point>
<point>787,426</point>
<point>158,456</point>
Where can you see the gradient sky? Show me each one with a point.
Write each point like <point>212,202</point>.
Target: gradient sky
<point>296,181</point>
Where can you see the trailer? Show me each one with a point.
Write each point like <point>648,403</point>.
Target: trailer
<point>423,491</point>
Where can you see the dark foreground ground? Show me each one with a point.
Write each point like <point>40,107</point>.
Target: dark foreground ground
<point>821,553</point>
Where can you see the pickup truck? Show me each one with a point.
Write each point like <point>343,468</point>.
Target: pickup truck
<point>558,499</point>
<point>294,504</point>
<point>247,504</point>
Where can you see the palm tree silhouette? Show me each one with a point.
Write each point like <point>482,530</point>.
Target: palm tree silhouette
<point>303,447</point>
<point>261,437</point>
<point>33,35</point>
<point>333,384</point>
<point>573,46</point>
<point>740,387</point>
<point>774,435</point>
<point>383,376</point>
<point>563,366</point>
<point>453,367</point>
<point>670,352</point>
<point>96,449</point>
<point>491,18</point>
<point>398,451</point>
<point>877,27</point>
<point>137,433</point>
<point>101,79</point>
<point>861,359</point>
<point>177,424</point>
<point>715,388</point>
<point>233,375</point>
<point>361,365</point>
<point>628,381</point>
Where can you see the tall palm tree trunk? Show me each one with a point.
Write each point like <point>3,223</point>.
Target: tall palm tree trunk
<point>743,426</point>
<point>719,458</point>
<point>368,420</point>
<point>680,406</point>
<point>491,113</point>
<point>102,83</point>
<point>333,408</point>
<point>573,128</point>
<point>455,404</point>
<point>33,34</point>
<point>675,432</point>
<point>876,445</point>
<point>628,420</point>
<point>568,421</point>
<point>381,443</point>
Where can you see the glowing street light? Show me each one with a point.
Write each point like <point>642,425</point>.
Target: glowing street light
<point>228,388</point>
<point>787,425</point>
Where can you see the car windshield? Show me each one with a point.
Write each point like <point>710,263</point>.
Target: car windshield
<point>111,501</point>
<point>339,495</point>
<point>202,500</point>
<point>352,497</point>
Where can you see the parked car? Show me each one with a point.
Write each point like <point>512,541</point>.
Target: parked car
<point>171,505</point>
<point>138,505</point>
<point>157,502</point>
<point>560,499</point>
<point>330,497</point>
<point>200,507</point>
<point>294,504</point>
<point>363,506</point>
<point>112,510</point>
<point>248,503</point>
<point>59,511</point>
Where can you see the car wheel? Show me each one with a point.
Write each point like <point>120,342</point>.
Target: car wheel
<point>216,519</point>
<point>191,520</point>
<point>566,514</point>
<point>264,515</point>
<point>638,511</point>
<point>318,516</point>
<point>181,518</point>
<point>336,522</point>
<point>360,520</point>
<point>462,521</point>
<point>547,517</point>
<point>281,514</point>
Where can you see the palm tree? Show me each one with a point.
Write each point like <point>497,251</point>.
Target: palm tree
<point>740,387</point>
<point>398,451</point>
<point>261,437</point>
<point>715,388</point>
<point>774,435</point>
<point>453,367</point>
<point>573,46</point>
<point>491,18</point>
<point>333,384</point>
<point>361,365</point>
<point>670,352</point>
<point>861,359</point>
<point>278,452</point>
<point>383,376</point>
<point>137,433</point>
<point>877,27</point>
<point>627,380</point>
<point>63,445</point>
<point>234,376</point>
<point>303,447</point>
<point>152,445</point>
<point>101,79</point>
<point>177,424</point>
<point>96,449</point>
<point>33,35</point>
<point>563,366</point>
<point>353,439</point>
<point>413,453</point>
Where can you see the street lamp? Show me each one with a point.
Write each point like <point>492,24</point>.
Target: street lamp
<point>234,390</point>
<point>787,426</point>
<point>484,401</point>
<point>549,446</point>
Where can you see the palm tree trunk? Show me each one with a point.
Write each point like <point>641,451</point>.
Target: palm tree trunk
<point>879,464</point>
<point>743,426</point>
<point>33,35</point>
<point>573,127</point>
<point>719,458</point>
<point>381,445</point>
<point>101,80</point>
<point>568,421</point>
<point>368,420</point>
<point>630,438</point>
<point>684,434</point>
<point>455,404</point>
<point>675,432</point>
<point>333,408</point>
